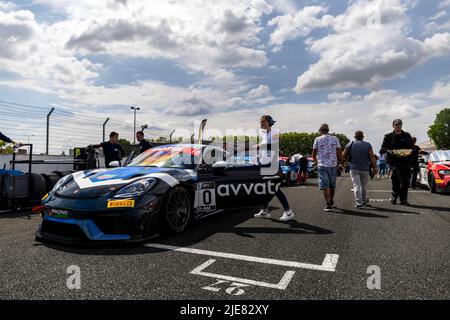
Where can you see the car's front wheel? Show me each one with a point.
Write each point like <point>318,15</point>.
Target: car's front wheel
<point>432,183</point>
<point>177,212</point>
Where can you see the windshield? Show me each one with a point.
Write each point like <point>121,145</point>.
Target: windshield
<point>440,156</point>
<point>169,157</point>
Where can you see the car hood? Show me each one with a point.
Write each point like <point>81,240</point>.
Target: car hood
<point>97,183</point>
<point>441,166</point>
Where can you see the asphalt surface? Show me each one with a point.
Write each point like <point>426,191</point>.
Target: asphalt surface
<point>409,245</point>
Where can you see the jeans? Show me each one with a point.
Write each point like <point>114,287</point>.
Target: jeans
<point>401,176</point>
<point>360,179</point>
<point>327,177</point>
<point>383,168</point>
<point>282,198</point>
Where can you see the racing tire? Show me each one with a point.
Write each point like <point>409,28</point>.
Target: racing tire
<point>177,210</point>
<point>432,183</point>
<point>39,186</point>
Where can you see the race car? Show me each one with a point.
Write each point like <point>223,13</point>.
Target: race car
<point>163,189</point>
<point>434,171</point>
<point>312,168</point>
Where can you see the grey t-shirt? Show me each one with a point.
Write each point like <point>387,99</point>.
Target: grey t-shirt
<point>360,159</point>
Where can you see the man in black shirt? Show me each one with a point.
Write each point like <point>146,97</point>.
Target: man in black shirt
<point>400,162</point>
<point>416,151</point>
<point>112,149</point>
<point>144,145</point>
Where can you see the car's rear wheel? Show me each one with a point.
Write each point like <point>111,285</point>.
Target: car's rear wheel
<point>432,183</point>
<point>177,212</point>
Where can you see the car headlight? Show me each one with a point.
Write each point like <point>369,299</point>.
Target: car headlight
<point>61,182</point>
<point>444,172</point>
<point>136,188</point>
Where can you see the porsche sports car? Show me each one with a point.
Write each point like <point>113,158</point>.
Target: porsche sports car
<point>434,171</point>
<point>163,189</point>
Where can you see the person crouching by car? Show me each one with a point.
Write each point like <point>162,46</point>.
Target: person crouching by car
<point>266,150</point>
<point>302,175</point>
<point>398,146</point>
<point>111,150</point>
<point>360,155</point>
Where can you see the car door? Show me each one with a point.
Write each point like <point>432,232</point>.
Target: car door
<point>233,185</point>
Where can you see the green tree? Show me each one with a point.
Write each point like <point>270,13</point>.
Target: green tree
<point>5,148</point>
<point>126,146</point>
<point>439,131</point>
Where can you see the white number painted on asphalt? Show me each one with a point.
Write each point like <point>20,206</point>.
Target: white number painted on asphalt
<point>235,289</point>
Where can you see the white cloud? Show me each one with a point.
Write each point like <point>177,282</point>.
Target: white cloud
<point>291,26</point>
<point>339,96</point>
<point>259,92</point>
<point>202,35</point>
<point>441,90</point>
<point>366,44</point>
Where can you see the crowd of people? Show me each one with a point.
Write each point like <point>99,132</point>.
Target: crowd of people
<point>397,159</point>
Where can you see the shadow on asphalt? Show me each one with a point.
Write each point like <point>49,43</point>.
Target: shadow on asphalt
<point>367,212</point>
<point>362,213</point>
<point>224,222</point>
<point>447,209</point>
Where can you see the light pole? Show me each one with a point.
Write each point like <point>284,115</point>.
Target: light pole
<point>134,131</point>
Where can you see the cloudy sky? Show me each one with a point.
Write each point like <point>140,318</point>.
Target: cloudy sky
<point>355,64</point>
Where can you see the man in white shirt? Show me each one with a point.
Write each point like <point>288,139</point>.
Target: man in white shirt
<point>327,153</point>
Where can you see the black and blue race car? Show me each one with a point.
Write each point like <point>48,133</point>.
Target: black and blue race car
<point>163,189</point>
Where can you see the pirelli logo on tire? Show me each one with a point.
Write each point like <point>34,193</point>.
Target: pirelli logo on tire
<point>120,204</point>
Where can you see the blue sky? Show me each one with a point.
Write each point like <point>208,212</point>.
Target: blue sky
<point>355,64</point>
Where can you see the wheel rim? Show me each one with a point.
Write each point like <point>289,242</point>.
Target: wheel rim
<point>178,209</point>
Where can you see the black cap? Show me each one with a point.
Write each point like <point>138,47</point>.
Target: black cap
<point>397,121</point>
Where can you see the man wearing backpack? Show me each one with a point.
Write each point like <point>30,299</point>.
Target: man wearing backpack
<point>361,158</point>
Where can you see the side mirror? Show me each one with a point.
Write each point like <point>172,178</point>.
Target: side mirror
<point>114,164</point>
<point>219,167</point>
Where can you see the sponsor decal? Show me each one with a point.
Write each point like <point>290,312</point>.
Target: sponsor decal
<point>120,204</point>
<point>226,190</point>
<point>57,213</point>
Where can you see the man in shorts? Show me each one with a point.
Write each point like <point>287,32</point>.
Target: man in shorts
<point>327,153</point>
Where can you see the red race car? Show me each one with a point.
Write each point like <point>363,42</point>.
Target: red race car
<point>435,171</point>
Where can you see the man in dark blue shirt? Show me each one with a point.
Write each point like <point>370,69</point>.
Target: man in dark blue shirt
<point>6,139</point>
<point>144,145</point>
<point>112,149</point>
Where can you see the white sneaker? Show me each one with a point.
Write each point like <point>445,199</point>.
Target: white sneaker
<point>287,215</point>
<point>263,213</point>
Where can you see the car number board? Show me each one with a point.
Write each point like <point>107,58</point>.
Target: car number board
<point>205,197</point>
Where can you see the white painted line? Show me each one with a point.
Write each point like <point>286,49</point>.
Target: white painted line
<point>328,264</point>
<point>282,285</point>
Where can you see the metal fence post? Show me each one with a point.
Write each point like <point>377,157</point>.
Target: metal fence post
<point>104,126</point>
<point>48,130</point>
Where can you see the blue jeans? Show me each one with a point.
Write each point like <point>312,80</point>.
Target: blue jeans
<point>327,177</point>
